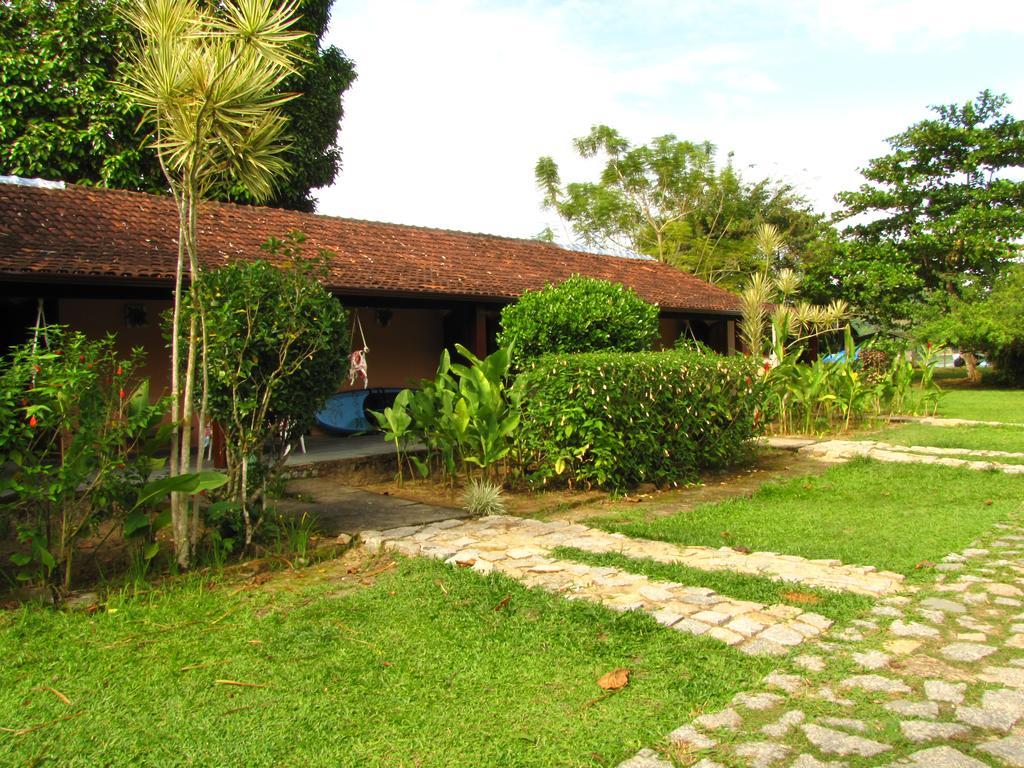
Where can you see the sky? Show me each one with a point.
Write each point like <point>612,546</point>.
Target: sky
<point>457,99</point>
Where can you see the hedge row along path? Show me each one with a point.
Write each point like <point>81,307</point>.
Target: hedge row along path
<point>843,450</point>
<point>521,548</point>
<point>933,680</point>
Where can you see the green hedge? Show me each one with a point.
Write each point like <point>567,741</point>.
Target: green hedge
<point>581,314</point>
<point>618,419</point>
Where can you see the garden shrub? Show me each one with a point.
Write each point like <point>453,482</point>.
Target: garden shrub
<point>875,364</point>
<point>579,315</point>
<point>619,419</point>
<point>77,432</point>
<point>277,348</point>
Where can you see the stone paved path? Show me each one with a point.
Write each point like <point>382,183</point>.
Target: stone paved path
<point>343,509</point>
<point>936,421</point>
<point>521,549</point>
<point>929,680</point>
<point>843,450</point>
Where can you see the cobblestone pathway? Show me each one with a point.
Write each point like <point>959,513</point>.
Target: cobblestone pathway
<point>843,450</point>
<point>521,549</point>
<point>929,680</point>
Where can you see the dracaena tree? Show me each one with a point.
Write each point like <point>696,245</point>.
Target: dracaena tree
<point>209,88</point>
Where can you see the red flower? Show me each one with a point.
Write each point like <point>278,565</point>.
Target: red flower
<point>121,394</point>
<point>767,366</point>
<point>119,370</point>
<point>32,421</point>
<point>929,345</point>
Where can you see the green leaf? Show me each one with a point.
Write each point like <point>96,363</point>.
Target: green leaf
<point>191,483</point>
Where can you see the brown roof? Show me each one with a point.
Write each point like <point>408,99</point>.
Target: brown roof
<point>111,236</point>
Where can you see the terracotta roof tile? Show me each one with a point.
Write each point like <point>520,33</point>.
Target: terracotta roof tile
<point>110,235</point>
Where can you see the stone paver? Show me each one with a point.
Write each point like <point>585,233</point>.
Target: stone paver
<point>727,718</point>
<point>875,684</point>
<point>942,690</point>
<point>761,754</point>
<point>938,757</point>
<point>832,742</point>
<point>926,730</point>
<point>646,758</point>
<point>1010,751</point>
<point>968,652</point>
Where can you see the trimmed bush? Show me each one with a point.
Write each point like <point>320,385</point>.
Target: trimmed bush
<point>579,315</point>
<point>615,419</point>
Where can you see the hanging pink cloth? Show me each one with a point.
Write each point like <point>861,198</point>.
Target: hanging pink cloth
<point>357,362</point>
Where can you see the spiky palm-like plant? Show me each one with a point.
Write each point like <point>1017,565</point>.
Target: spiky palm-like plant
<point>208,85</point>
<point>754,301</point>
<point>790,324</point>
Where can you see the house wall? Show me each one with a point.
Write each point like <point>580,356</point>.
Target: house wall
<point>404,350</point>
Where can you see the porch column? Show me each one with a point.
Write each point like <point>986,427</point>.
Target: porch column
<point>479,343</point>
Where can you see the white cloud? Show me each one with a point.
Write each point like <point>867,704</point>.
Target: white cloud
<point>886,24</point>
<point>456,100</point>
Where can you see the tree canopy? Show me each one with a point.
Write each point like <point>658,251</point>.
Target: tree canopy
<point>668,199</point>
<point>985,321</point>
<point>62,117</point>
<point>942,212</point>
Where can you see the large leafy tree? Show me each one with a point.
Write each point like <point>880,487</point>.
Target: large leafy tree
<point>941,213</point>
<point>985,321</point>
<point>61,116</point>
<point>668,199</point>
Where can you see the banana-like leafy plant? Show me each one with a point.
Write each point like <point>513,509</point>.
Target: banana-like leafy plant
<point>465,416</point>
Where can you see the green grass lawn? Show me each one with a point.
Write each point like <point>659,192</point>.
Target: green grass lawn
<point>972,438</point>
<point>429,667</point>
<point>893,516</point>
<point>838,606</point>
<point>983,404</point>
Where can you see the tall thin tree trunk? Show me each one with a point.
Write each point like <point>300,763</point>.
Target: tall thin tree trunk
<point>178,501</point>
<point>973,374</point>
<point>187,413</point>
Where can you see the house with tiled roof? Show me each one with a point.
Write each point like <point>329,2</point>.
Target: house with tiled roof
<point>103,260</point>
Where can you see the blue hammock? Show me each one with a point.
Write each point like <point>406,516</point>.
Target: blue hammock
<point>348,413</point>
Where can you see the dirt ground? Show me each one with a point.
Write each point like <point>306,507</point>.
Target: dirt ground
<point>575,506</point>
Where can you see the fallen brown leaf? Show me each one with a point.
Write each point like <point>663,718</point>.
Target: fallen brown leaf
<point>466,563</point>
<point>801,597</point>
<point>924,564</point>
<point>614,680</point>
<point>503,602</point>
